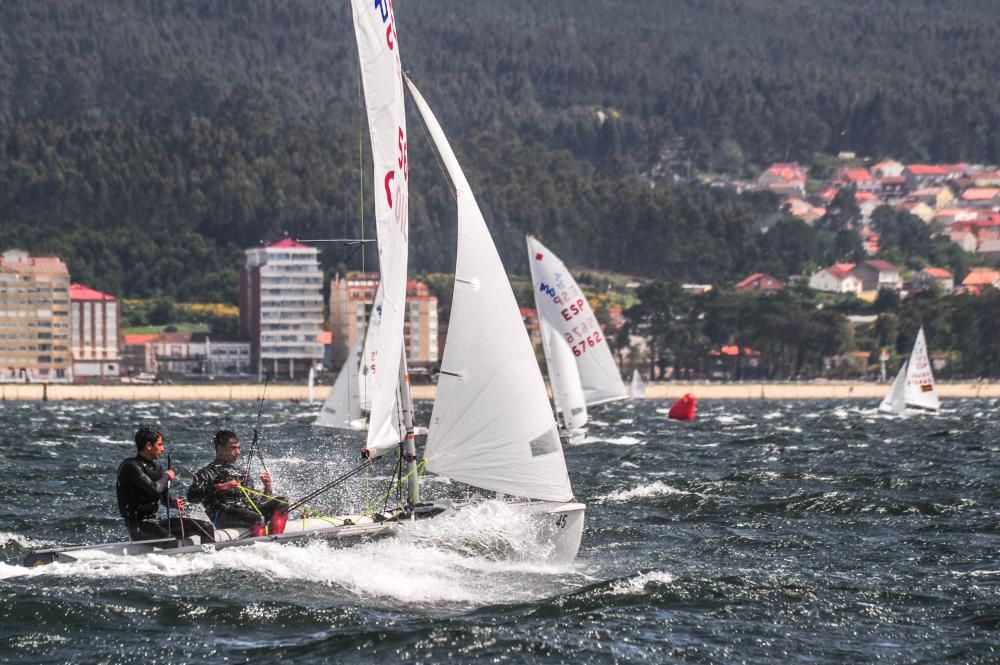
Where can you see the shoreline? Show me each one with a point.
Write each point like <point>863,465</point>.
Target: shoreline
<point>282,392</point>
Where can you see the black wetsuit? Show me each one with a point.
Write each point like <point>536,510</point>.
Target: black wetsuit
<point>141,486</point>
<point>230,507</point>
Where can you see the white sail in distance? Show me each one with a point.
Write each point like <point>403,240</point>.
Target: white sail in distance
<point>567,393</point>
<point>561,302</point>
<point>492,425</point>
<point>637,389</point>
<point>913,387</point>
<point>342,408</point>
<point>381,77</point>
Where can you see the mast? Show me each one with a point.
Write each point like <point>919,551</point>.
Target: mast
<point>409,443</point>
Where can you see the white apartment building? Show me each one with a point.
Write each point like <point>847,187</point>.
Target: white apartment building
<point>281,308</point>
<point>94,328</point>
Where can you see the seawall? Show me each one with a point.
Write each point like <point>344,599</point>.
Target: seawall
<point>283,392</point>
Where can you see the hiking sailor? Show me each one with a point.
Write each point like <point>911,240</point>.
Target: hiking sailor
<point>142,485</point>
<point>222,487</point>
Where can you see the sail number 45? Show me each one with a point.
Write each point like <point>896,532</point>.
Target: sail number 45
<point>561,521</point>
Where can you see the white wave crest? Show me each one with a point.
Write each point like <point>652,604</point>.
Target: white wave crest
<point>641,492</point>
<point>637,584</point>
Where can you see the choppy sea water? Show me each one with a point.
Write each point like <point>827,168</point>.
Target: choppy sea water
<point>812,531</point>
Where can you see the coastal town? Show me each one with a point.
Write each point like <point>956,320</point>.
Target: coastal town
<point>55,330</point>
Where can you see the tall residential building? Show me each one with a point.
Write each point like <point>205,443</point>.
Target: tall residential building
<point>351,300</point>
<point>281,308</point>
<point>34,318</point>
<point>94,328</point>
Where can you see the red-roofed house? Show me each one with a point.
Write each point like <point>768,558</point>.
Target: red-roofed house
<point>804,210</point>
<point>924,278</point>
<point>981,278</point>
<point>838,278</point>
<point>982,197</point>
<point>759,282</point>
<point>876,275</point>
<point>94,330</point>
<point>789,177</point>
<point>927,175</point>
<point>861,178</point>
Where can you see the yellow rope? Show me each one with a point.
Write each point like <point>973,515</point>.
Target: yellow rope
<point>419,469</point>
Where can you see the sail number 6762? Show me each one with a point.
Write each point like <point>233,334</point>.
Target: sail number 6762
<point>591,340</point>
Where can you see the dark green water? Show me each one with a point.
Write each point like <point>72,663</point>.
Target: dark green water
<point>813,532</point>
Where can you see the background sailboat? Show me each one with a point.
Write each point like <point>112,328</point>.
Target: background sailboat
<point>913,387</point>
<point>564,309</point>
<point>636,389</point>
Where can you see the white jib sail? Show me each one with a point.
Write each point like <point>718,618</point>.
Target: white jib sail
<point>342,408</point>
<point>636,389</point>
<point>381,76</point>
<point>919,391</point>
<point>492,425</point>
<point>561,302</point>
<point>894,401</point>
<point>564,379</point>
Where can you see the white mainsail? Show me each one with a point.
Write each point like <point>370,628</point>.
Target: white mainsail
<point>564,378</point>
<point>913,387</point>
<point>381,76</point>
<point>637,389</point>
<point>562,304</point>
<point>491,426</point>
<point>342,408</point>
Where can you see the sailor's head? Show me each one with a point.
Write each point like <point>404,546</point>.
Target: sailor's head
<point>149,442</point>
<point>227,445</point>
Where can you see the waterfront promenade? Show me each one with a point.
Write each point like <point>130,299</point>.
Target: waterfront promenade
<point>286,392</point>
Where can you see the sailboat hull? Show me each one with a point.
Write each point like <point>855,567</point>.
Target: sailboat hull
<point>556,527</point>
<point>296,530</point>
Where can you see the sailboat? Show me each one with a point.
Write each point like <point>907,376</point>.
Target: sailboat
<point>636,388</point>
<point>565,314</point>
<point>913,388</point>
<point>491,426</point>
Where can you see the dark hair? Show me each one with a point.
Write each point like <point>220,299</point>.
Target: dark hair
<point>224,436</point>
<point>145,435</point>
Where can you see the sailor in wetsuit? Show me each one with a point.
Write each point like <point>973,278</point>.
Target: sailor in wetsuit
<point>217,486</point>
<point>141,486</point>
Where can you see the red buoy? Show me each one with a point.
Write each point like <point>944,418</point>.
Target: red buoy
<point>684,408</point>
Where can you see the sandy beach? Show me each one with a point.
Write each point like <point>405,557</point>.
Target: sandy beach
<point>280,392</point>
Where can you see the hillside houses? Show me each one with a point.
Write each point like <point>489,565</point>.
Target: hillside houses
<point>960,202</point>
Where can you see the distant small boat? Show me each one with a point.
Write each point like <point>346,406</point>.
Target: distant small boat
<point>636,389</point>
<point>913,388</point>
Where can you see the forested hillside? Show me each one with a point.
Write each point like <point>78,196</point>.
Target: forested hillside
<point>148,142</point>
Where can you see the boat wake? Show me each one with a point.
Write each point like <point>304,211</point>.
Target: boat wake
<point>483,555</point>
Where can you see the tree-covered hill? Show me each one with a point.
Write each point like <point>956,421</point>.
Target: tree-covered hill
<point>149,141</point>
